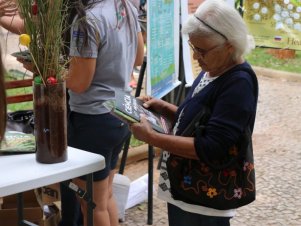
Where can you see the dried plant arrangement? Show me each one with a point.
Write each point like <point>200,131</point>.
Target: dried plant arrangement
<point>45,21</point>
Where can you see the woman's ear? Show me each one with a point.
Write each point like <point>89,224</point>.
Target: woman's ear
<point>230,48</point>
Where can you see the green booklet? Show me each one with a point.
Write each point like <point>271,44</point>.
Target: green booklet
<point>16,142</point>
<point>128,108</point>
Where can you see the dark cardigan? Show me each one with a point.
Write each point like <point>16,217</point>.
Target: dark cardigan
<point>234,100</point>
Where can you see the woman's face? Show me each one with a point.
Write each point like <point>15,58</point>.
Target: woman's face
<point>211,55</point>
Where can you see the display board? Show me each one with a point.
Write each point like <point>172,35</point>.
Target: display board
<point>191,66</point>
<point>162,47</point>
<point>274,23</point>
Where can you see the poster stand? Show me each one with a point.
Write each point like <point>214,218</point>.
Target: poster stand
<point>181,89</point>
<point>179,94</point>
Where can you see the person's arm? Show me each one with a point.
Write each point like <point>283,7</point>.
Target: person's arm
<point>80,74</point>
<point>13,24</point>
<point>9,17</point>
<point>182,146</point>
<point>140,51</point>
<point>8,8</point>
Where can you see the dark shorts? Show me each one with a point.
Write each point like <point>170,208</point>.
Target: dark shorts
<point>101,134</point>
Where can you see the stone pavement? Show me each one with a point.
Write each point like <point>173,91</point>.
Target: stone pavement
<point>277,150</point>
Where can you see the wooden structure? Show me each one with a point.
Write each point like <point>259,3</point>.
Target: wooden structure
<point>282,53</point>
<point>11,99</point>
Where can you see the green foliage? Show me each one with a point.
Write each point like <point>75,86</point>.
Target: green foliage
<point>135,143</point>
<point>260,57</point>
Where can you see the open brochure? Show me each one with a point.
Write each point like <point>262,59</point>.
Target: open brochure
<point>128,108</point>
<point>15,142</point>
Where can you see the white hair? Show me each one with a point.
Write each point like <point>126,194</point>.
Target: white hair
<point>225,21</point>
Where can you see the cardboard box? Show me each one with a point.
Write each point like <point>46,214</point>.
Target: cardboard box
<point>49,197</point>
<point>49,194</point>
<point>32,211</point>
<point>53,217</point>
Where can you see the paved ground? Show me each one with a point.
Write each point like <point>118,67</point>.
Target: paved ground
<point>277,149</point>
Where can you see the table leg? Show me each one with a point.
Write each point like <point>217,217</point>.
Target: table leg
<point>20,209</point>
<point>89,190</point>
<point>150,185</point>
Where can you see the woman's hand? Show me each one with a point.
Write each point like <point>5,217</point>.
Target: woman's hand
<point>142,130</point>
<point>8,8</point>
<point>28,65</point>
<point>156,105</point>
<point>159,106</point>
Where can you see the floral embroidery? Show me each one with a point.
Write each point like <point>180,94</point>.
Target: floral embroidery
<point>211,192</point>
<point>238,193</point>
<point>229,173</point>
<point>187,180</point>
<point>226,173</point>
<point>248,166</point>
<point>251,166</point>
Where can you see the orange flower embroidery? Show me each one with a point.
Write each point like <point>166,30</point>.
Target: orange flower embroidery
<point>211,192</point>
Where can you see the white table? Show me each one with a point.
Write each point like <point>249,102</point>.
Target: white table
<point>21,172</point>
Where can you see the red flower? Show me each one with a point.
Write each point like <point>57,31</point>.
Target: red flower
<point>34,8</point>
<point>226,173</point>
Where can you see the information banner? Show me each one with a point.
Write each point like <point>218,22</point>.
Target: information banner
<point>162,47</point>
<point>274,23</point>
<point>191,66</point>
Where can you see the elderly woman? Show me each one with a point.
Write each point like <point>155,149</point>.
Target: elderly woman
<point>219,39</point>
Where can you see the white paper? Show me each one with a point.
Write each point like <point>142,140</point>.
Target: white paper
<point>138,191</point>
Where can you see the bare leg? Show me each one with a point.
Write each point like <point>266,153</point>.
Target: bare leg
<point>112,205</point>
<point>101,216</point>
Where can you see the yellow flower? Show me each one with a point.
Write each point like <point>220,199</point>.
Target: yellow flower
<point>24,39</point>
<point>211,192</point>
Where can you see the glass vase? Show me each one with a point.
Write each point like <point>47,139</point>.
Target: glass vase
<point>50,112</point>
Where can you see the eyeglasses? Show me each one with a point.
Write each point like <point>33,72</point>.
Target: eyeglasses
<point>202,52</point>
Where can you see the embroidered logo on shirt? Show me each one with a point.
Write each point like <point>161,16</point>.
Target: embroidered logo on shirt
<point>120,13</point>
